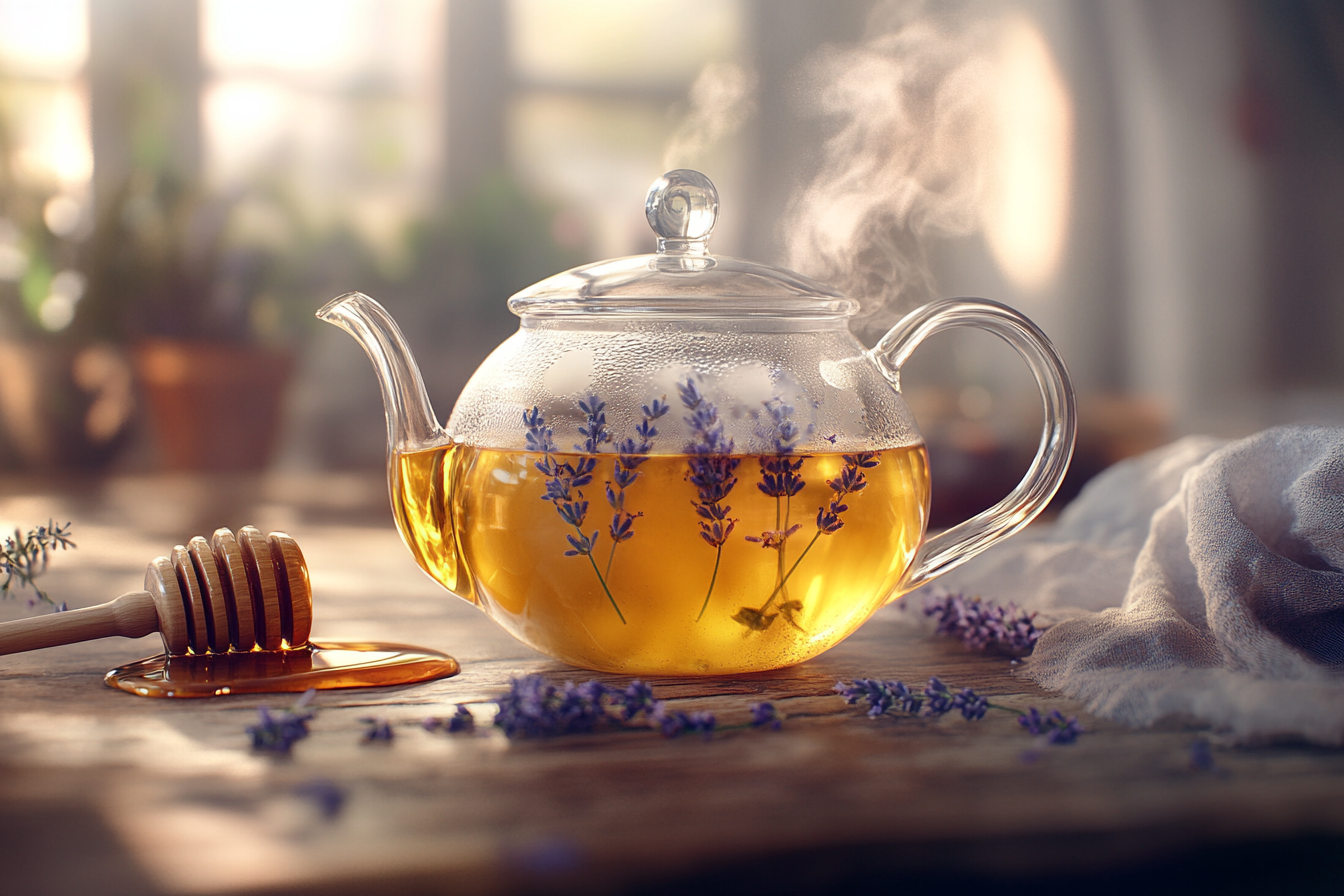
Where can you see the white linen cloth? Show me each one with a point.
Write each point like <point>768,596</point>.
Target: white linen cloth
<point>1202,581</point>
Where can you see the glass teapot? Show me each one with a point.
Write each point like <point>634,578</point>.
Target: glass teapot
<point>684,463</point>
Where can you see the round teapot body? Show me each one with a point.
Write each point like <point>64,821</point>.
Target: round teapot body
<point>686,464</point>
<point>650,497</point>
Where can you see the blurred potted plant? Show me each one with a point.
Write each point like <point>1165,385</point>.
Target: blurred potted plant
<point>66,394</point>
<point>197,292</point>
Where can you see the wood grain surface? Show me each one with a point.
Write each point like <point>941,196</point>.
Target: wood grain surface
<point>104,792</point>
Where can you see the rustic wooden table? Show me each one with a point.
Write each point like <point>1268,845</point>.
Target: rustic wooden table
<point>105,792</point>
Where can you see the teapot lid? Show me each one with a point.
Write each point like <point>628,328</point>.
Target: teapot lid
<point>682,278</point>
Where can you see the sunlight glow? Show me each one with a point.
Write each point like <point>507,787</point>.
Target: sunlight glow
<point>336,100</point>
<point>43,48</point>
<point>1026,215</point>
<point>328,41</point>
<point>53,145</point>
<point>49,39</point>
<point>620,43</point>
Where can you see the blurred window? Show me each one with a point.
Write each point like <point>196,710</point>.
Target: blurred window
<point>44,114</point>
<point>594,81</point>
<point>46,161</point>
<point>657,45</point>
<point>338,102</point>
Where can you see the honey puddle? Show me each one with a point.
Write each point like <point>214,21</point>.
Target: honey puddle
<point>335,664</point>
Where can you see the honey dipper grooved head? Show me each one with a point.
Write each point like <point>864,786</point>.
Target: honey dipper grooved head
<point>161,583</point>
<point>296,595</point>
<point>212,589</point>
<point>237,591</point>
<point>265,591</point>
<point>232,593</point>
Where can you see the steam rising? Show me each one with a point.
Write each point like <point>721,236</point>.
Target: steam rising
<point>721,99</point>
<point>912,112</point>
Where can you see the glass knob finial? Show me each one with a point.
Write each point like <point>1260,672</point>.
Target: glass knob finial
<point>682,208</point>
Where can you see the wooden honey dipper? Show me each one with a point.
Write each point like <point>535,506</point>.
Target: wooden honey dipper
<point>225,594</point>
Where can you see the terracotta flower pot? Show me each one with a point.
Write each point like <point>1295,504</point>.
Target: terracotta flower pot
<point>214,405</point>
<point>64,406</point>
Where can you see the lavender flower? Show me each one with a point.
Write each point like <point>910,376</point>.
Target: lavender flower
<point>325,794</point>
<point>940,698</point>
<point>941,701</point>
<point>1031,720</point>
<point>774,538</point>
<point>277,732</point>
<point>711,469</point>
<point>672,724</point>
<point>535,708</point>
<point>1201,759</point>
<point>702,722</point>
<point>779,470</point>
<point>1065,733</point>
<point>850,481</point>
<point>461,720</point>
<point>971,705</point>
<point>637,698</point>
<point>1056,728</point>
<point>881,695</point>
<point>982,625</point>
<point>779,476</point>
<point>630,454</point>
<point>24,557</point>
<point>764,715</point>
<point>377,730</point>
<point>594,427</point>
<point>780,480</point>
<point>666,722</point>
<point>540,438</point>
<point>564,479</point>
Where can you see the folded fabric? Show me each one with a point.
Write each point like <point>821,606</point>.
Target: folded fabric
<point>1204,581</point>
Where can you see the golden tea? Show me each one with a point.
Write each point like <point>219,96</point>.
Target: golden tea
<point>667,563</point>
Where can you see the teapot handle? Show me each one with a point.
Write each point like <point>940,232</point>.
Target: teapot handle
<point>958,544</point>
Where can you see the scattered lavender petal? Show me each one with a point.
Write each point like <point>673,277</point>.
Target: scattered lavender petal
<point>636,698</point>
<point>1053,726</point>
<point>461,720</point>
<point>940,698</point>
<point>325,794</point>
<point>377,730</point>
<point>971,705</point>
<point>981,624</point>
<point>1201,759</point>
<point>277,732</point>
<point>764,715</point>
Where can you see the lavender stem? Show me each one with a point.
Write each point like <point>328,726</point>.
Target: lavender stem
<point>783,547</point>
<point>718,554</point>
<point>784,581</point>
<point>603,582</point>
<point>611,555</point>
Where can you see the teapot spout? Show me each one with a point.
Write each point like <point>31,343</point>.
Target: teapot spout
<point>411,423</point>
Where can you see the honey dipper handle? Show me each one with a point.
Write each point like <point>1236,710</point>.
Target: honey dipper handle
<point>130,616</point>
